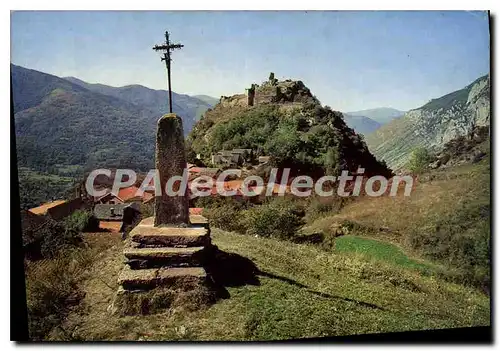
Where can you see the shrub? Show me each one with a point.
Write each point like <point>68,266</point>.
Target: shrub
<point>209,201</point>
<point>462,241</point>
<point>81,221</point>
<point>319,206</point>
<point>419,160</point>
<point>277,218</point>
<point>55,236</point>
<point>225,217</point>
<point>147,210</point>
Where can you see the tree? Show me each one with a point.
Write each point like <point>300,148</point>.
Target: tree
<point>419,160</point>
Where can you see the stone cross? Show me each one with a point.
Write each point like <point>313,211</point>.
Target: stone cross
<point>170,162</point>
<point>167,48</point>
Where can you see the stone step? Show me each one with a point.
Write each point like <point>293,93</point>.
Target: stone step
<point>165,256</point>
<point>195,221</point>
<point>181,278</point>
<point>170,236</point>
<point>198,220</point>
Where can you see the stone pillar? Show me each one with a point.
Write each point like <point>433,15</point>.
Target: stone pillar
<point>170,161</point>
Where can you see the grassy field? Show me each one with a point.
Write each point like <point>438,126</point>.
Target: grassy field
<point>282,290</point>
<point>380,250</point>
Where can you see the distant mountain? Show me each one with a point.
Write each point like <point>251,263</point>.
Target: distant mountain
<point>434,124</point>
<point>61,124</point>
<point>188,107</point>
<point>208,99</point>
<point>68,122</point>
<point>381,115</point>
<point>361,124</point>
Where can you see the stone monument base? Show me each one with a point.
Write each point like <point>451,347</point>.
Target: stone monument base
<point>165,268</point>
<point>187,297</point>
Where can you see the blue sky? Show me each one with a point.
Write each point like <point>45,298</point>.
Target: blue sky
<point>350,60</point>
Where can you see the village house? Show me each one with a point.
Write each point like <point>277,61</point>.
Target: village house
<point>114,217</point>
<point>247,154</point>
<point>58,209</point>
<point>125,195</point>
<point>232,158</point>
<point>195,172</point>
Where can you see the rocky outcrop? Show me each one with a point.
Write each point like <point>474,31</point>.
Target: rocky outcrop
<point>465,149</point>
<point>434,124</point>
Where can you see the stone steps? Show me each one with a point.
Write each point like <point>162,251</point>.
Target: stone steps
<point>165,256</point>
<point>195,220</point>
<point>182,278</point>
<point>198,220</point>
<point>161,252</point>
<point>167,259</point>
<point>170,236</point>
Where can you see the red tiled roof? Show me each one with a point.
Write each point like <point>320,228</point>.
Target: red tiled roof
<point>128,193</point>
<point>42,209</point>
<point>112,226</point>
<point>195,210</point>
<point>195,170</point>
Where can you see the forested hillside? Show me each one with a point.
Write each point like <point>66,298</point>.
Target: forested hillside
<point>65,129</point>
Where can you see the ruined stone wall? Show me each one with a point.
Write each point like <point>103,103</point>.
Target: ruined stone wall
<point>271,91</point>
<point>232,101</point>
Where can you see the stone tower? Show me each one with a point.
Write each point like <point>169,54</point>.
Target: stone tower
<point>250,95</point>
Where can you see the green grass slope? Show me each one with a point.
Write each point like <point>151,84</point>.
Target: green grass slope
<point>300,291</point>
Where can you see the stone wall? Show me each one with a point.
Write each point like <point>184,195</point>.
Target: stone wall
<point>232,101</point>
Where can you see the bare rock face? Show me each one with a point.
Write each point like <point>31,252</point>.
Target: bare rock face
<point>170,162</point>
<point>433,125</point>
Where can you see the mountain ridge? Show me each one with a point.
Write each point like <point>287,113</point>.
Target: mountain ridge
<point>361,124</point>
<point>188,107</point>
<point>52,114</point>
<point>433,124</point>
<point>381,115</point>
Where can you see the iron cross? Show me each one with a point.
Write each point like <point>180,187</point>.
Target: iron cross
<point>167,48</point>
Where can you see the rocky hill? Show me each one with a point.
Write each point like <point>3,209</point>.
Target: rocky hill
<point>434,124</point>
<point>465,149</point>
<point>284,120</point>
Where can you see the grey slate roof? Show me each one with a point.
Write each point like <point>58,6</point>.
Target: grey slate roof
<point>104,211</point>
